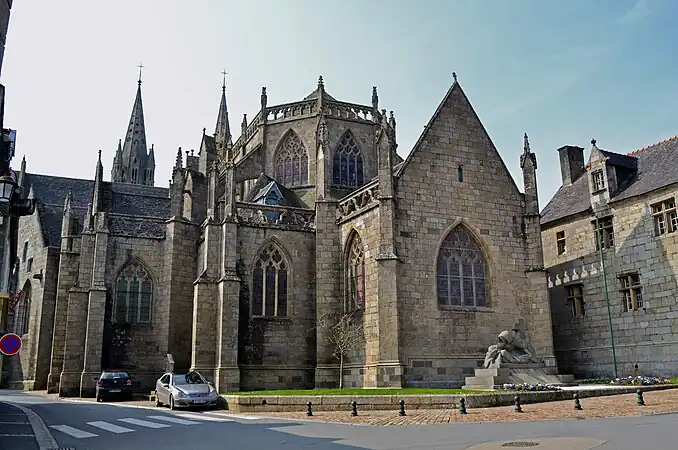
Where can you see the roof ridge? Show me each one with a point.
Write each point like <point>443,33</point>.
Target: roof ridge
<point>635,152</point>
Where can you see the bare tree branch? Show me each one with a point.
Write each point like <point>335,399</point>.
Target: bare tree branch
<point>344,333</point>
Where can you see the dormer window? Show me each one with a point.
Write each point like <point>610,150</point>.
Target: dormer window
<point>598,178</point>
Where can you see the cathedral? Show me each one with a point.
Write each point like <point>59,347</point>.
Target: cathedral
<point>310,213</point>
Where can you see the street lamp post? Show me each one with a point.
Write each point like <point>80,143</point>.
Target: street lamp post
<point>601,245</point>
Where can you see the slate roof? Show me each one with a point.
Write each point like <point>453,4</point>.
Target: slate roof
<point>262,186</point>
<point>649,169</point>
<point>135,210</point>
<point>314,95</point>
<point>50,193</point>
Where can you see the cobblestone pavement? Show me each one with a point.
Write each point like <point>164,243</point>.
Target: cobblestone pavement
<point>619,405</point>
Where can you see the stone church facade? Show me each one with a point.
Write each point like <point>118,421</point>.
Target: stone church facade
<point>625,290</point>
<point>310,213</point>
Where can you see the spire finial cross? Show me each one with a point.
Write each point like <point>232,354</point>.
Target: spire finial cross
<point>223,83</point>
<point>140,66</point>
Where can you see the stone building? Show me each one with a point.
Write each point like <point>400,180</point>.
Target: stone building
<point>631,200</point>
<point>309,214</point>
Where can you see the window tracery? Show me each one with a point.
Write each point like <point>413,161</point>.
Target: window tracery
<point>134,295</point>
<point>461,271</point>
<point>270,283</point>
<point>355,275</point>
<point>23,311</point>
<point>347,163</point>
<point>291,161</point>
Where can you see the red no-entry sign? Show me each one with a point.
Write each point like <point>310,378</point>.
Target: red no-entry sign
<point>10,344</point>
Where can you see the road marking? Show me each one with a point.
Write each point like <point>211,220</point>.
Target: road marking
<point>113,428</point>
<point>79,434</point>
<point>174,420</point>
<point>17,435</point>
<point>198,416</point>
<point>144,423</point>
<point>236,416</point>
<point>15,423</point>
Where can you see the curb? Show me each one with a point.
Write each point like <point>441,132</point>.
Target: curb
<point>41,433</point>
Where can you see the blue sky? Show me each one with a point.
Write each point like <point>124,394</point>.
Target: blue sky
<point>563,72</point>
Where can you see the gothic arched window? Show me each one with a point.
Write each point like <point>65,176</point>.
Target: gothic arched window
<point>461,271</point>
<point>355,274</point>
<point>133,295</point>
<point>269,283</point>
<point>291,161</point>
<point>347,163</point>
<point>23,311</point>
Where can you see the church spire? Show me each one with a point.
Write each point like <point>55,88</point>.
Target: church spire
<point>130,163</point>
<point>222,132</point>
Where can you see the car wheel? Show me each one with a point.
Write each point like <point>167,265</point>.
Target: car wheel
<point>171,403</point>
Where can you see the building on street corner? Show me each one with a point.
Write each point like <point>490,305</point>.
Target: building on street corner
<point>610,239</point>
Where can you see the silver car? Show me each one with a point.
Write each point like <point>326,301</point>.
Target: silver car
<point>185,390</point>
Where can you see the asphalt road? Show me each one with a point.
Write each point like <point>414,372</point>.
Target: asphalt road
<point>109,426</point>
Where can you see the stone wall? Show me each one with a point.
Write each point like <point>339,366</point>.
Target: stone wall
<point>148,345</point>
<point>646,337</point>
<point>282,348</point>
<point>440,346</point>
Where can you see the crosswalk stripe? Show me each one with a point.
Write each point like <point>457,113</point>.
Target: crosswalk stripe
<point>144,423</point>
<point>174,420</point>
<point>113,428</point>
<point>79,434</point>
<point>204,417</point>
<point>236,416</point>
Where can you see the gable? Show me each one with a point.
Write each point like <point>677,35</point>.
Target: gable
<point>455,136</point>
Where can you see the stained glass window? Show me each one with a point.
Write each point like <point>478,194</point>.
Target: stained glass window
<point>269,283</point>
<point>347,163</point>
<point>355,275</point>
<point>291,161</point>
<point>134,295</point>
<point>461,271</point>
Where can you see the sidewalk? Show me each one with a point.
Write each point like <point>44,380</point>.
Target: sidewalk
<point>656,402</point>
<point>16,432</point>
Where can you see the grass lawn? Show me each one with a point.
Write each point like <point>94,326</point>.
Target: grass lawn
<point>349,391</point>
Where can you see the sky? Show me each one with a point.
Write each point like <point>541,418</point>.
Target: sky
<point>563,72</point>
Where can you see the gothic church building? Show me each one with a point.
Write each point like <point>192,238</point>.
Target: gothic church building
<point>309,214</point>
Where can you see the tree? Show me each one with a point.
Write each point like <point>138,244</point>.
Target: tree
<point>345,333</point>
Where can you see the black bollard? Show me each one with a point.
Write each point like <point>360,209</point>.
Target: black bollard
<point>640,401</point>
<point>309,409</point>
<point>354,408</point>
<point>462,406</point>
<point>516,401</point>
<point>577,403</point>
<point>402,408</point>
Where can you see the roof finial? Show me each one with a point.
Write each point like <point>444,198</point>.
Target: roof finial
<point>223,83</point>
<point>593,141</point>
<point>526,144</point>
<point>321,84</point>
<point>99,155</point>
<point>454,75</point>
<point>140,66</point>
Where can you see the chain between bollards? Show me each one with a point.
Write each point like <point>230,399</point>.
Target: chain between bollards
<point>516,401</point>
<point>577,403</point>
<point>640,401</point>
<point>401,412</point>
<point>354,408</point>
<point>309,409</point>
<point>462,406</point>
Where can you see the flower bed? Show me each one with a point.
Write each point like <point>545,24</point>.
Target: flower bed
<point>639,380</point>
<point>530,387</point>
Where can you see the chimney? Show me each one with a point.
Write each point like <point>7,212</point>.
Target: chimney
<point>571,163</point>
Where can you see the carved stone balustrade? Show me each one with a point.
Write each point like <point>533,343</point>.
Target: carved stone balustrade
<point>348,111</point>
<point>296,110</point>
<point>360,201</point>
<point>271,216</point>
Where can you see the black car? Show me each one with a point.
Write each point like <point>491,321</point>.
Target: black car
<point>114,385</point>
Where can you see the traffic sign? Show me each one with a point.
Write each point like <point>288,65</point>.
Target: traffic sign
<point>10,344</point>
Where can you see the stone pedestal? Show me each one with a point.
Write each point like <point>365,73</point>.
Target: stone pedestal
<point>227,379</point>
<point>493,378</point>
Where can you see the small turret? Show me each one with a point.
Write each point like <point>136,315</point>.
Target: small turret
<point>528,163</point>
